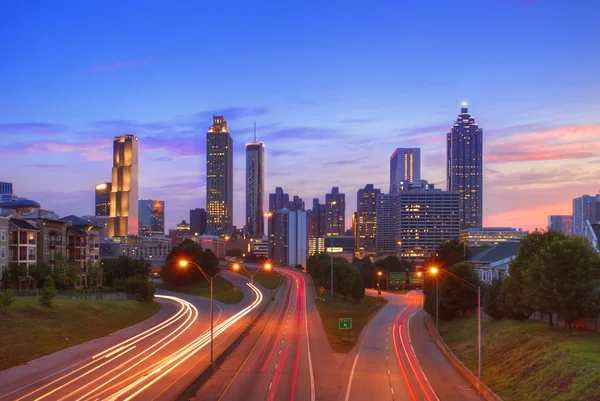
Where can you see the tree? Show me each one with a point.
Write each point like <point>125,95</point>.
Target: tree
<point>47,298</point>
<point>449,253</point>
<point>7,297</point>
<point>455,296</point>
<point>95,273</point>
<point>251,258</point>
<point>173,274</point>
<point>73,273</point>
<point>236,253</point>
<point>59,275</point>
<point>492,305</point>
<point>146,292</point>
<point>367,270</point>
<point>39,272</point>
<point>570,267</point>
<point>358,289</point>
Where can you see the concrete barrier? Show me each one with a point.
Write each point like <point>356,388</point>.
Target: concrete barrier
<point>484,390</point>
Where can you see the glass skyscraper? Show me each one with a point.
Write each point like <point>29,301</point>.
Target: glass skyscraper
<point>405,166</point>
<point>255,184</point>
<point>335,202</point>
<point>464,167</point>
<point>123,219</point>
<point>366,220</point>
<point>219,178</point>
<point>102,203</point>
<point>152,217</point>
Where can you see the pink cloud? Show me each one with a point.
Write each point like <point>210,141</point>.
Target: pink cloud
<point>120,64</point>
<point>98,151</point>
<point>579,142</point>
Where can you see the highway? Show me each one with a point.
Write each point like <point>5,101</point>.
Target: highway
<point>386,366</point>
<point>279,365</point>
<point>154,364</point>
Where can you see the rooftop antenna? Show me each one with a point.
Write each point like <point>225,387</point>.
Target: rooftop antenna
<point>255,131</point>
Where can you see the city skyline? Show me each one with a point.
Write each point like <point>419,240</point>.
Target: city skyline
<point>317,117</point>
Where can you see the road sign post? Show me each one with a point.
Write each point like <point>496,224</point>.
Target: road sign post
<point>397,277</point>
<point>345,323</point>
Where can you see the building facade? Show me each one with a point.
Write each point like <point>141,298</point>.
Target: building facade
<point>4,248</point>
<point>214,243</point>
<point>405,166</point>
<point>198,221</point>
<point>584,209</point>
<point>464,169</point>
<point>591,232</point>
<point>563,224</point>
<point>335,203</point>
<point>255,184</point>
<point>485,236</point>
<point>101,222</point>
<point>219,178</point>
<point>22,242</point>
<point>297,238</point>
<point>82,245</point>
<point>277,202</point>
<point>156,249</point>
<point>386,227</point>
<point>102,199</point>
<point>366,220</point>
<point>51,239</point>
<point>151,214</point>
<point>123,219</point>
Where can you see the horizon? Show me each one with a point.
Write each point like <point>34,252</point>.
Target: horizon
<point>354,82</point>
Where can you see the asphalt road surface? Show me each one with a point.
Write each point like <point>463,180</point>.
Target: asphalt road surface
<point>152,361</point>
<point>279,365</point>
<point>386,366</point>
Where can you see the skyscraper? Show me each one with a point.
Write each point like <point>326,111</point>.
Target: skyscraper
<point>297,203</point>
<point>464,169</point>
<point>152,217</point>
<point>366,220</point>
<point>405,166</point>
<point>123,219</point>
<point>564,224</point>
<point>335,202</point>
<point>219,178</point>
<point>386,232</point>
<point>198,221</point>
<point>103,191</point>
<point>6,188</point>
<point>584,208</point>
<point>277,202</point>
<point>255,183</point>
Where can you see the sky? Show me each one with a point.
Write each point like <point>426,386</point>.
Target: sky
<point>333,86</point>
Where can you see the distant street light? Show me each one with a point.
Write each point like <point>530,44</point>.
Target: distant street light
<point>184,263</point>
<point>237,267</point>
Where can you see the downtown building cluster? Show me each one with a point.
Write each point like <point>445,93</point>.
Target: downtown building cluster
<point>583,222</point>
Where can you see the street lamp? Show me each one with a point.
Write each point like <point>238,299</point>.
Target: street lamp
<point>237,267</point>
<point>226,238</point>
<point>184,263</point>
<point>379,274</point>
<point>434,271</point>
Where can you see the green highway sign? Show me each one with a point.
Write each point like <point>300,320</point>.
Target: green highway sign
<point>397,277</point>
<point>416,277</point>
<point>345,323</point>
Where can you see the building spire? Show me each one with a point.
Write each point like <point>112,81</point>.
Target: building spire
<point>254,131</point>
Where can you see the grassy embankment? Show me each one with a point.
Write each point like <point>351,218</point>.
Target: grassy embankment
<point>528,360</point>
<point>29,331</point>
<point>224,291</point>
<point>268,279</point>
<point>337,307</point>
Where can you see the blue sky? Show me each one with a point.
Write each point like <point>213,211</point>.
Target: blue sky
<point>334,88</point>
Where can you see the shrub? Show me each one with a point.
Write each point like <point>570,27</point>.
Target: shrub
<point>492,304</point>
<point>47,299</point>
<point>146,293</point>
<point>7,298</point>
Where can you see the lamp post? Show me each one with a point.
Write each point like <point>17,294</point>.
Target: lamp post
<point>236,267</point>
<point>434,271</point>
<point>379,274</point>
<point>226,238</point>
<point>184,263</point>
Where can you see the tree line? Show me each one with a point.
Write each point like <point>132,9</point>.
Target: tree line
<point>347,278</point>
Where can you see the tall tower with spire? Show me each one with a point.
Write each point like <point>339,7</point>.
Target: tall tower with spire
<point>255,184</point>
<point>219,178</point>
<point>464,167</point>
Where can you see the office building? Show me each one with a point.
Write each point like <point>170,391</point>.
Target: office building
<point>155,250</point>
<point>413,223</point>
<point>335,204</point>
<point>341,246</point>
<point>297,204</point>
<point>101,222</point>
<point>102,203</point>
<point>464,169</point>
<point>255,184</point>
<point>151,217</point>
<point>386,227</point>
<point>317,220</point>
<point>366,220</point>
<point>584,208</point>
<point>563,224</point>
<point>292,249</point>
<point>215,243</point>
<point>316,245</point>
<point>6,188</point>
<point>219,178</point>
<point>198,221</point>
<point>486,236</point>
<point>123,219</point>
<point>277,201</point>
<point>405,166</point>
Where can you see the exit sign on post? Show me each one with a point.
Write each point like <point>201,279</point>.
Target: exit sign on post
<point>345,323</point>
